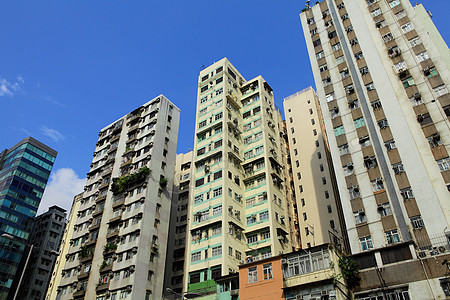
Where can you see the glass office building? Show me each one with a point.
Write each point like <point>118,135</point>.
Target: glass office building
<point>24,172</point>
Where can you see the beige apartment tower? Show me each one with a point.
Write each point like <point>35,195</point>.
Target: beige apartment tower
<point>238,209</point>
<point>382,82</point>
<point>176,248</point>
<point>317,199</point>
<point>117,249</point>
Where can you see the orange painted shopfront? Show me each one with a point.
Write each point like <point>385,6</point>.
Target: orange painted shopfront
<point>261,280</point>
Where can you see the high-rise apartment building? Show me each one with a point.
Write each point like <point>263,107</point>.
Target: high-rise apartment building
<point>318,202</point>
<point>238,208</point>
<point>289,190</point>
<point>118,247</point>
<point>382,81</point>
<point>176,248</point>
<point>24,172</point>
<point>46,236</point>
<point>56,274</point>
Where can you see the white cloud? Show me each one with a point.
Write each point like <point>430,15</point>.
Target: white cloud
<point>8,88</point>
<point>52,133</point>
<point>63,185</point>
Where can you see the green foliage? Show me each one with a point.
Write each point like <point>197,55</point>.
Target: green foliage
<point>103,265</point>
<point>121,184</point>
<point>349,269</point>
<point>109,247</point>
<point>85,252</point>
<point>163,181</point>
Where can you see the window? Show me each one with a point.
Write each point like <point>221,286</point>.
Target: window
<point>407,27</point>
<point>316,42</point>
<point>339,130</point>
<point>400,14</point>
<point>390,145</point>
<point>376,104</point>
<point>217,210</point>
<point>252,275</point>
<point>370,87</point>
<point>330,97</point>
<point>441,90</point>
<point>417,222</point>
<point>359,55</point>
<point>375,12</point>
<point>360,216</point>
<point>392,236</point>
<point>384,209</point>
<point>216,251</point>
<point>332,34</point>
<point>444,164</point>
<point>398,168</point>
<point>383,124</point>
<point>366,243</point>
<point>265,235</point>
<point>359,122</point>
<point>323,68</point>
<point>424,119</point>
<point>336,46</point>
<point>415,41</point>
<point>430,72</point>
<point>422,56</point>
<point>354,192</point>
<point>267,272</point>
<point>387,37</point>
<point>252,238</point>
<point>343,149</point>
<point>407,193</point>
<point>217,192</point>
<point>408,82</point>
<point>263,215</point>
<point>394,3</point>
<point>340,59</point>
<point>320,55</point>
<point>196,256</point>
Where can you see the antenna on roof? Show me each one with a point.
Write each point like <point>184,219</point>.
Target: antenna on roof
<point>202,67</point>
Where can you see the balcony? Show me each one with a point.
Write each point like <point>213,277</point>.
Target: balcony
<point>79,294</point>
<point>102,287</point>
<point>114,233</point>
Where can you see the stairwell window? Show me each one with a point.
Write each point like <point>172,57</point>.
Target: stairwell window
<point>383,124</point>
<point>377,184</point>
<point>417,222</point>
<point>267,271</point>
<point>387,37</point>
<point>384,209</point>
<point>415,41</point>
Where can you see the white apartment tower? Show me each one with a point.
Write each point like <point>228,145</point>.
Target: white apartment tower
<point>382,82</point>
<point>118,246</point>
<point>317,199</point>
<point>238,210</point>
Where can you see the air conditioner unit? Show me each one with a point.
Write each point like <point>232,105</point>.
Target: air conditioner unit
<point>253,216</point>
<point>230,207</point>
<point>299,297</point>
<point>280,238</point>
<point>324,293</point>
<point>284,261</point>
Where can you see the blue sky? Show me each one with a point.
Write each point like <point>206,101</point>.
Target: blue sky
<point>69,68</point>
